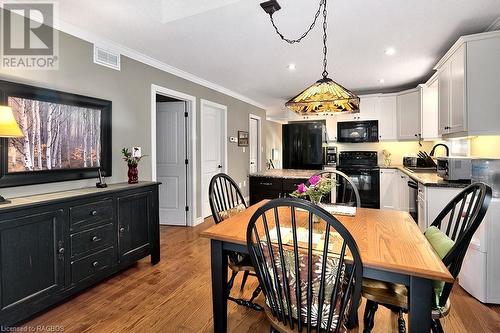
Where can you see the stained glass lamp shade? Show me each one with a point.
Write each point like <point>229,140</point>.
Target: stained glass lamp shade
<point>324,96</point>
<point>8,125</point>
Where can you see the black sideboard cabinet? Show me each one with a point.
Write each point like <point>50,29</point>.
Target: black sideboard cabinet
<point>272,188</point>
<point>56,245</point>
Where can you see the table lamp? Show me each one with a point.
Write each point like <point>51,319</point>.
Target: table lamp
<point>8,129</point>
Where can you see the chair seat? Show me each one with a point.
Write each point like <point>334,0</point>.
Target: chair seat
<point>245,264</point>
<point>385,293</point>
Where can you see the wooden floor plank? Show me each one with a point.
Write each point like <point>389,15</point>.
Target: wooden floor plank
<point>175,296</point>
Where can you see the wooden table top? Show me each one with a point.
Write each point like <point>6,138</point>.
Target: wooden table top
<point>388,240</point>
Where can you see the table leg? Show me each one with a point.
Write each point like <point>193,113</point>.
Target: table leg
<point>420,305</point>
<point>219,286</point>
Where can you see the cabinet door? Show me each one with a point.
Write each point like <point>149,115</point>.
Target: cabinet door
<point>444,80</point>
<point>389,195</point>
<point>134,225</point>
<point>430,110</point>
<point>404,197</point>
<point>32,263</point>
<point>368,108</point>
<point>408,114</point>
<point>457,117</point>
<point>387,118</point>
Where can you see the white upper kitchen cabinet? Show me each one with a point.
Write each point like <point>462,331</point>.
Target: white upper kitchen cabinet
<point>389,195</point>
<point>387,126</point>
<point>408,115</point>
<point>429,95</point>
<point>368,108</point>
<point>468,81</point>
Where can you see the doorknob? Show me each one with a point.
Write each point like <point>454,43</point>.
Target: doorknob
<point>219,166</point>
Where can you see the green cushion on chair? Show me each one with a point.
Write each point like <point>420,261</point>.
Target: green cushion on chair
<point>442,244</point>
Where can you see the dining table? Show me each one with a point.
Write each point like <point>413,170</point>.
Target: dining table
<point>391,246</point>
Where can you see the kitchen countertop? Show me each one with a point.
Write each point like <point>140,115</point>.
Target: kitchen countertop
<point>430,179</point>
<point>285,173</point>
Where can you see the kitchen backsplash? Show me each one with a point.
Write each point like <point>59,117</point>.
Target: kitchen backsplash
<point>397,149</point>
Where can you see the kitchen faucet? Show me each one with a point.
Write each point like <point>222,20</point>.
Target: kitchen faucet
<point>437,145</point>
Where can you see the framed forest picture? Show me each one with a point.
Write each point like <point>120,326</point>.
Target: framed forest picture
<point>66,136</point>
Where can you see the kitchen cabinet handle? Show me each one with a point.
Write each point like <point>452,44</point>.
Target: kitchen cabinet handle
<point>122,229</point>
<point>96,239</point>
<point>93,213</point>
<point>266,184</point>
<point>95,263</point>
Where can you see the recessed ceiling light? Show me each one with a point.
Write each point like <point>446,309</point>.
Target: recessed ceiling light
<point>381,81</point>
<point>291,67</point>
<point>390,51</point>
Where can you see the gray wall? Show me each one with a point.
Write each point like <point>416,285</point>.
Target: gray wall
<point>130,92</point>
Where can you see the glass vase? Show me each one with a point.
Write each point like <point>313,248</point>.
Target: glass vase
<point>315,199</point>
<point>133,174</point>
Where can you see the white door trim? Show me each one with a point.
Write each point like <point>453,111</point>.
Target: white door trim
<point>191,176</point>
<point>259,139</point>
<point>203,104</point>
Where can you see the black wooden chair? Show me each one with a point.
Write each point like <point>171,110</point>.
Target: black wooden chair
<point>459,220</point>
<point>308,282</point>
<point>345,192</point>
<point>226,200</point>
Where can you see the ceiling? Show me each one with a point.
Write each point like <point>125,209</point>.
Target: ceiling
<point>232,43</point>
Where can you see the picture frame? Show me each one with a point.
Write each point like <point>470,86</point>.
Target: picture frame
<point>242,139</point>
<point>96,153</point>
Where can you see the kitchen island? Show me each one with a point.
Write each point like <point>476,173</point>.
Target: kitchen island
<point>276,183</point>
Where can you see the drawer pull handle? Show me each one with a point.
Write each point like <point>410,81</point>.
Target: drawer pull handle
<point>95,263</point>
<point>266,184</point>
<point>93,213</point>
<point>96,239</point>
<point>61,250</point>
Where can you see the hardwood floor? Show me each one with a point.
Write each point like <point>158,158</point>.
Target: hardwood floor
<point>175,296</point>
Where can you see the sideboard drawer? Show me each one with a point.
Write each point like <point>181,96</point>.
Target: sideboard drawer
<point>266,183</point>
<point>290,185</point>
<point>93,239</point>
<point>91,214</point>
<point>90,265</point>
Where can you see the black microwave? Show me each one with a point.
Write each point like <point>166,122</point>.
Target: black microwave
<point>357,131</point>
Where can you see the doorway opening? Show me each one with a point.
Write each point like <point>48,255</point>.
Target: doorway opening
<point>173,158</point>
<point>254,138</point>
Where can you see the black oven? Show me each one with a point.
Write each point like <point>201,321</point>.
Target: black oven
<point>357,131</point>
<point>361,167</point>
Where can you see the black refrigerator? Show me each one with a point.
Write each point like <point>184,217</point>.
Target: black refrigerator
<point>303,145</point>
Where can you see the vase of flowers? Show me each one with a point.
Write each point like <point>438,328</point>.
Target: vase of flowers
<point>132,162</point>
<point>318,186</point>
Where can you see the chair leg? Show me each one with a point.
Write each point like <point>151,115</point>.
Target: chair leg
<point>401,322</point>
<point>231,282</point>
<point>369,316</point>
<point>244,280</point>
<point>439,327</point>
<point>255,293</point>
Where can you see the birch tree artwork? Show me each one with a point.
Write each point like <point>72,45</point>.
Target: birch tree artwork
<point>56,136</point>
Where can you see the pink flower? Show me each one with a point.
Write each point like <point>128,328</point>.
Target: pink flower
<point>301,188</point>
<point>314,180</point>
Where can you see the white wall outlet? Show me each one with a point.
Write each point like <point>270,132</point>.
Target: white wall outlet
<point>244,183</point>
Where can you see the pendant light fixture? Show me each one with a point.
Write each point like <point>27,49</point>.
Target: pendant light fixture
<point>325,96</point>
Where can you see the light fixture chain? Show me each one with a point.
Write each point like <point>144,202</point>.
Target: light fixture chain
<point>293,41</point>
<point>325,49</point>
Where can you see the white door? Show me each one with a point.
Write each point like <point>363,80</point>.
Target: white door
<point>213,148</point>
<point>254,144</point>
<point>170,161</point>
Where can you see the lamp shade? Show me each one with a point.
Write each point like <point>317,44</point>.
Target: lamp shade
<point>8,125</point>
<point>324,97</point>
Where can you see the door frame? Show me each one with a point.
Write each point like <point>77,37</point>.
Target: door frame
<point>191,216</point>
<point>204,103</point>
<point>259,141</point>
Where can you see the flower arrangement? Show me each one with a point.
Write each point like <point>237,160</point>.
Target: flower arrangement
<point>130,159</point>
<point>387,157</point>
<point>318,187</point>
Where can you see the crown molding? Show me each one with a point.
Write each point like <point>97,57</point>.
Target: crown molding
<point>465,39</point>
<point>72,30</point>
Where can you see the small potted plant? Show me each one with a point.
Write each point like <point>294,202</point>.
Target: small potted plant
<point>318,186</point>
<point>132,162</point>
